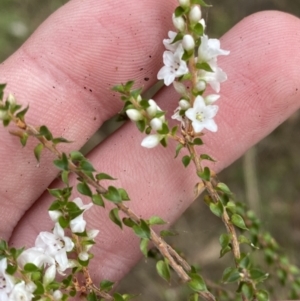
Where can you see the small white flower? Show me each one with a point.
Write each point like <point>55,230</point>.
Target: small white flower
<point>20,293</point>
<point>6,281</point>
<point>178,22</point>
<point>188,42</point>
<point>209,49</point>
<point>174,66</point>
<point>176,115</point>
<point>195,14</point>
<point>134,114</point>
<point>78,224</point>
<point>151,141</point>
<point>156,124</point>
<point>169,42</point>
<point>36,256</point>
<point>202,115</point>
<point>213,78</point>
<point>57,245</point>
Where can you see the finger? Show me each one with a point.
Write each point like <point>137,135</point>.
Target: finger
<point>255,100</point>
<point>65,71</point>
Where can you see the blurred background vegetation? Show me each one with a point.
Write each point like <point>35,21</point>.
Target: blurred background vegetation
<point>267,178</point>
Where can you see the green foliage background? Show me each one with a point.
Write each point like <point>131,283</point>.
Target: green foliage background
<point>270,172</point>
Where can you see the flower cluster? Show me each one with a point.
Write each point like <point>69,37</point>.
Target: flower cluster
<point>36,268</point>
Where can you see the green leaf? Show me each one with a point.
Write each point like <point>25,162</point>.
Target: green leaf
<point>194,297</point>
<point>76,156</point>
<point>39,288</point>
<point>103,176</point>
<point>129,85</point>
<point>24,139</point>
<point>22,113</point>
<point>262,295</point>
<point>244,261</point>
<point>224,240</point>
<point>258,275</point>
<point>84,189</point>
<point>216,208</point>
<point>141,125</point>
<point>62,163</point>
<point>178,37</point>
<point>106,285</point>
<point>156,220</point>
<point>123,194</point>
<point>238,221</point>
<point>163,270</point>
<point>230,275</point>
<point>174,130</point>
<point>30,267</point>
<point>60,140</point>
<point>178,149</point>
<point>179,11</point>
<point>247,290</point>
<point>37,151</point>
<point>207,157</point>
<point>118,297</point>
<point>224,251</point>
<point>11,269</point>
<point>44,131</point>
<point>114,216</point>
<point>197,283</point>
<point>165,233</point>
<point>197,141</point>
<point>136,93</point>
<point>113,195</point>
<point>86,165</point>
<point>198,29</point>
<point>128,222</point>
<point>165,129</point>
<point>186,160</point>
<point>144,246</point>
<point>2,87</point>
<point>3,243</point>
<point>91,296</point>
<point>64,223</point>
<point>98,200</point>
<point>65,177</point>
<point>205,175</point>
<point>142,230</point>
<point>224,188</point>
<point>201,3</point>
<point>231,206</point>
<point>204,66</point>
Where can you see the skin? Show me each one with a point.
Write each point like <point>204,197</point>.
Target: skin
<point>93,45</point>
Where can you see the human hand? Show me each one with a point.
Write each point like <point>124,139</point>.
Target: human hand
<point>65,71</point>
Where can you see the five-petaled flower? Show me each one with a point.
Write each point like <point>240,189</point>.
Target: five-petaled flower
<point>202,115</point>
<point>174,66</point>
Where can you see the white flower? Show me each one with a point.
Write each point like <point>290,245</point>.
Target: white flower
<point>209,49</point>
<point>178,22</point>
<point>174,66</point>
<point>202,115</point>
<point>134,114</point>
<point>195,14</point>
<point>169,42</point>
<point>213,78</point>
<point>188,42</point>
<point>151,141</point>
<point>6,281</point>
<point>20,293</point>
<point>57,245</point>
<point>36,256</point>
<point>176,114</point>
<point>78,224</point>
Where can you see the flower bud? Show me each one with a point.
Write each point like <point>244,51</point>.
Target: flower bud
<point>184,104</point>
<point>11,99</point>
<point>3,115</point>
<point>49,275</point>
<point>92,233</point>
<point>54,215</point>
<point>184,3</point>
<point>57,295</point>
<point>180,88</point>
<point>178,22</point>
<point>188,42</point>
<point>83,256</point>
<point>195,14</point>
<point>152,109</point>
<point>156,124</point>
<point>201,85</point>
<point>151,141</point>
<point>134,114</point>
<point>139,98</point>
<point>209,99</point>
